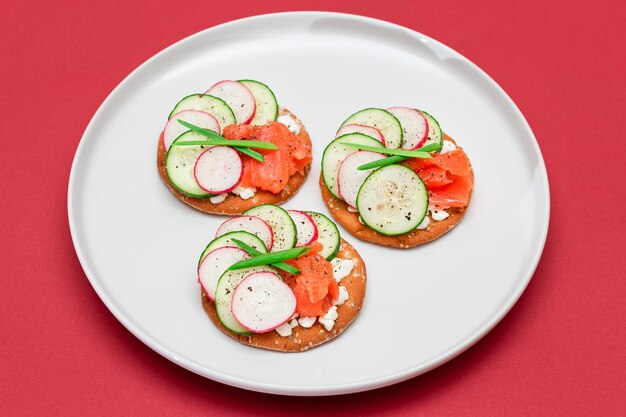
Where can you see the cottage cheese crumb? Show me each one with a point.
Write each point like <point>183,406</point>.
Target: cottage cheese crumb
<point>341,268</point>
<point>290,123</point>
<point>284,330</point>
<point>438,213</point>
<point>424,224</point>
<point>216,199</point>
<point>343,295</point>
<point>244,192</point>
<point>306,322</point>
<point>447,146</point>
<point>328,321</point>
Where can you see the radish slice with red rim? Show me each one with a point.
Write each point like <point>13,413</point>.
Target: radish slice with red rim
<point>215,264</point>
<point>306,230</point>
<point>238,97</point>
<point>173,129</point>
<point>414,126</point>
<point>262,302</point>
<point>250,224</point>
<point>350,179</point>
<point>365,130</point>
<point>218,169</point>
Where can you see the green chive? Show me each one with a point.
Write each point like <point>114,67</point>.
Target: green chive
<point>280,265</point>
<point>251,153</point>
<point>227,142</point>
<point>399,152</point>
<point>396,158</point>
<point>212,135</point>
<point>270,258</point>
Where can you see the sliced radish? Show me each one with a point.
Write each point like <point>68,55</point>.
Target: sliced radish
<point>350,179</point>
<point>262,302</point>
<point>173,129</point>
<point>250,224</point>
<point>218,169</point>
<point>366,130</point>
<point>305,227</point>
<point>238,97</point>
<point>215,264</point>
<point>414,126</point>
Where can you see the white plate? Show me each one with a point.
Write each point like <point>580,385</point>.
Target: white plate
<point>139,245</point>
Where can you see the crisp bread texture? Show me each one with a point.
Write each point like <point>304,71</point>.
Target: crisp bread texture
<point>350,221</point>
<point>303,339</point>
<point>233,204</point>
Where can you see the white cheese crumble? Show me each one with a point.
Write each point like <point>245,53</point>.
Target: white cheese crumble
<point>438,214</point>
<point>343,295</point>
<point>447,147</point>
<point>328,321</point>
<point>244,192</point>
<point>290,123</point>
<point>341,268</point>
<point>306,322</point>
<point>284,329</point>
<point>216,199</point>
<point>424,224</point>
<point>353,209</point>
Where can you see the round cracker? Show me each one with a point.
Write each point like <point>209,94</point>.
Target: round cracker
<point>350,221</point>
<point>234,205</point>
<point>303,339</point>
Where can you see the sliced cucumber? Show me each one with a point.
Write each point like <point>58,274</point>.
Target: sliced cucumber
<point>180,162</point>
<point>382,120</point>
<point>435,134</point>
<point>283,227</point>
<point>266,104</point>
<point>327,234</point>
<point>392,200</point>
<point>227,240</point>
<point>224,295</point>
<point>209,104</point>
<point>335,153</point>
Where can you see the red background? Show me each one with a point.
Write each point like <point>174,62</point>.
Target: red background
<point>560,351</point>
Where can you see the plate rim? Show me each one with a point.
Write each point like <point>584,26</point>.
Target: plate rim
<point>317,390</point>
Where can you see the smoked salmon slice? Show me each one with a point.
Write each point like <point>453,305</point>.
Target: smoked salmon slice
<point>272,175</point>
<point>448,177</point>
<point>315,288</point>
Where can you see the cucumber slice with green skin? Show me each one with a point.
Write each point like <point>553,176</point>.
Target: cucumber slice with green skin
<point>435,134</point>
<point>283,227</point>
<point>335,153</point>
<point>327,234</point>
<point>382,120</point>
<point>266,104</point>
<point>180,163</point>
<point>216,107</point>
<point>224,295</point>
<point>393,200</point>
<point>227,240</point>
